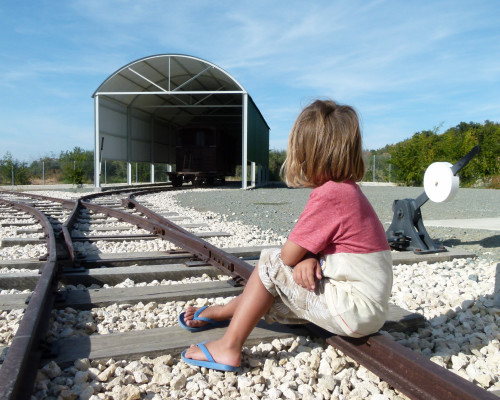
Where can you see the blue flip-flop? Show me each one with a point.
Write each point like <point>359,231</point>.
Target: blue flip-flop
<point>210,363</point>
<point>210,322</point>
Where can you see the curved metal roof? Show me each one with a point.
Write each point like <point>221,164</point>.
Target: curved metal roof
<point>169,72</point>
<point>174,87</point>
<point>142,109</point>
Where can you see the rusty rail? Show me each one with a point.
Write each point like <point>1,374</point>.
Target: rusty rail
<point>65,203</point>
<point>407,371</point>
<point>229,264</point>
<point>18,372</point>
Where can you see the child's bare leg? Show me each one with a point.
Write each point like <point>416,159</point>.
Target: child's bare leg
<point>215,312</point>
<point>253,303</point>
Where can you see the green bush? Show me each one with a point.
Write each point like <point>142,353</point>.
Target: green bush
<point>412,156</point>
<point>276,160</point>
<point>14,169</point>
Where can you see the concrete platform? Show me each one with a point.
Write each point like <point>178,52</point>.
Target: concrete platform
<point>490,224</point>
<point>408,257</point>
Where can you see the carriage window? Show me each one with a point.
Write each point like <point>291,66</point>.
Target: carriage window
<point>200,138</point>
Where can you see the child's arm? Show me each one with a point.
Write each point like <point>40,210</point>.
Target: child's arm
<point>292,253</point>
<point>306,268</point>
<point>306,272</point>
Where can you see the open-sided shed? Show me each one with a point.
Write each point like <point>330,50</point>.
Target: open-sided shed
<point>141,109</point>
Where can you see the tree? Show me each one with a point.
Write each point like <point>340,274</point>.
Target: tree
<point>412,156</point>
<point>47,167</point>
<point>77,166</point>
<point>276,160</point>
<point>14,171</point>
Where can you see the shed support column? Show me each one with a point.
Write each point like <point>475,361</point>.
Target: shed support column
<point>169,169</point>
<point>244,141</point>
<point>129,148</point>
<point>252,173</point>
<point>152,154</point>
<point>97,149</point>
<point>129,173</point>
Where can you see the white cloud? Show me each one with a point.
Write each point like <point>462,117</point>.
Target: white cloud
<point>405,66</point>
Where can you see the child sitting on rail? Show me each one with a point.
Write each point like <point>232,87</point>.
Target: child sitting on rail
<point>335,269</point>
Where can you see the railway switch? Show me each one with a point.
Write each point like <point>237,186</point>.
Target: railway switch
<point>407,231</point>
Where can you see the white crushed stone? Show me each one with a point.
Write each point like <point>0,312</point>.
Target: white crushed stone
<point>243,235</point>
<point>21,252</point>
<point>130,283</point>
<point>457,298</point>
<point>57,194</point>
<point>9,323</point>
<point>121,317</point>
<point>14,291</point>
<point>290,368</point>
<point>6,270</point>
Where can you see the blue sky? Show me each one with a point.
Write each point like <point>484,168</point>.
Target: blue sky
<point>405,66</point>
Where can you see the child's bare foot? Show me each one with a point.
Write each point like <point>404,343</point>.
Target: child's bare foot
<point>220,351</point>
<point>211,312</point>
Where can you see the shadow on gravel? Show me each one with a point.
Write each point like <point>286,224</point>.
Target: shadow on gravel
<point>487,242</point>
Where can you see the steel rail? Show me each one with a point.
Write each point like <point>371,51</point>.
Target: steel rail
<point>18,372</point>
<point>405,370</point>
<point>66,230</point>
<point>68,204</point>
<point>131,202</point>
<point>71,204</point>
<point>139,190</point>
<point>206,252</point>
<point>64,202</point>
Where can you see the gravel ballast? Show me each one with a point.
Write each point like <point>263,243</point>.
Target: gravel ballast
<point>456,297</point>
<point>278,208</point>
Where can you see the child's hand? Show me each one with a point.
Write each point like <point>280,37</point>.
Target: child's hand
<point>306,272</point>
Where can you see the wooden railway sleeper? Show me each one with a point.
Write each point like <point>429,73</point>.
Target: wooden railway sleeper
<point>19,368</point>
<point>386,358</point>
<point>383,356</point>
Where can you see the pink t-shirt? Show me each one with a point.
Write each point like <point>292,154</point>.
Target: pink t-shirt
<point>338,218</point>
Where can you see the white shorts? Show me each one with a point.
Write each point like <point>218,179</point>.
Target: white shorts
<point>351,300</point>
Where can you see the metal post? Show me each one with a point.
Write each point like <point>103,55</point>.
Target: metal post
<point>169,169</point>
<point>244,141</point>
<point>105,172</point>
<point>97,149</point>
<point>374,168</point>
<point>152,153</point>
<point>129,146</point>
<point>252,173</point>
<point>390,173</point>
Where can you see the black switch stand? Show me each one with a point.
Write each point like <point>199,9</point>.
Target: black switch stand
<point>407,231</point>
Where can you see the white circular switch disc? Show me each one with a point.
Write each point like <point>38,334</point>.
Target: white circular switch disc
<point>439,182</point>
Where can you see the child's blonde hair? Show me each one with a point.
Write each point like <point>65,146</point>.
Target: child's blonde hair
<point>324,144</point>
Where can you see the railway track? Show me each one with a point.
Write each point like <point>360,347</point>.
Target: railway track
<point>73,232</point>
